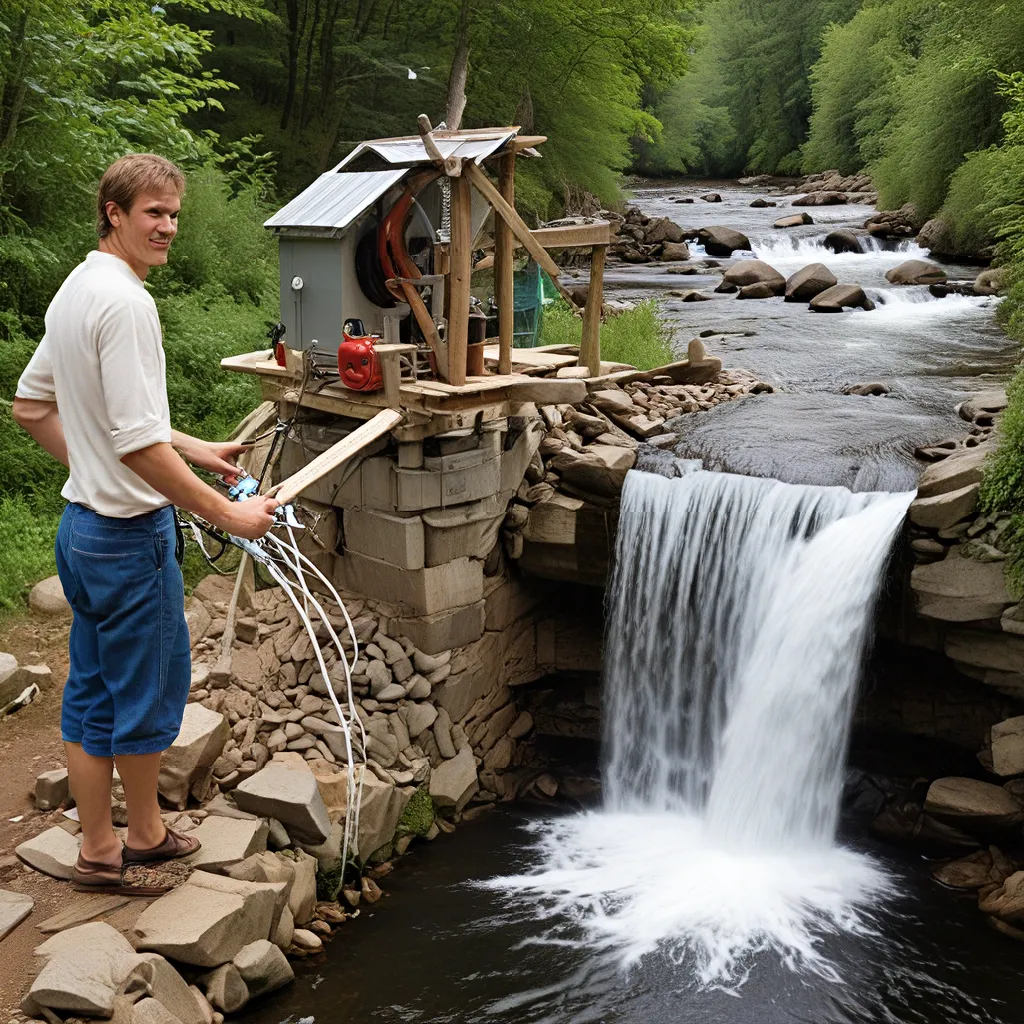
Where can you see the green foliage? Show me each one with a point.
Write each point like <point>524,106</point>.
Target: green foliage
<point>418,816</point>
<point>637,337</point>
<point>26,554</point>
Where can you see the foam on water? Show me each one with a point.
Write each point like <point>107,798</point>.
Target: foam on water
<point>738,612</point>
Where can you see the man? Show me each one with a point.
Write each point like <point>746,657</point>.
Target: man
<point>94,396</point>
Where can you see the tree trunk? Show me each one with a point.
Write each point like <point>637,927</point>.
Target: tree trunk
<point>456,104</point>
<point>292,11</point>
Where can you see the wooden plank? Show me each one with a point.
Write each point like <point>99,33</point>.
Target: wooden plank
<point>459,278</point>
<point>521,142</point>
<point>341,452</point>
<point>391,371</point>
<point>590,343</point>
<point>255,423</point>
<point>261,362</point>
<point>81,911</point>
<point>573,235</point>
<point>504,248</point>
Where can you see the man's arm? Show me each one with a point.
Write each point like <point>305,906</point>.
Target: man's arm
<point>42,422</point>
<point>165,471</point>
<point>214,456</point>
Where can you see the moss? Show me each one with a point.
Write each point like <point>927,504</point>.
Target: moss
<point>328,883</point>
<point>418,815</point>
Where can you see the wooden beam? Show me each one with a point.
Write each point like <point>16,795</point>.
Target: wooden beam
<point>459,278</point>
<point>590,344</point>
<point>574,234</point>
<point>504,247</point>
<point>452,165</point>
<point>341,452</point>
<point>521,142</point>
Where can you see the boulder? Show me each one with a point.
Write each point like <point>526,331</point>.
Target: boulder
<point>227,841</point>
<point>985,649</point>
<point>149,1011</point>
<point>1006,902</point>
<point>916,272</point>
<point>840,297</point>
<point>941,511</point>
<point>187,765</point>
<point>722,241</point>
<point>672,252</point>
<point>302,896</point>
<point>754,272</point>
<point>661,229</point>
<point>969,803</point>
<point>291,796</point>
<point>207,920</point>
<point>161,982</point>
<point>52,852</point>
<point>47,598</point>
<point>454,782</point>
<point>418,718</point>
<point>821,199</point>
<point>225,990</point>
<point>843,240</point>
<point>990,282</point>
<point>263,967</point>
<point>12,681</point>
<point>970,872</point>
<point>1007,738</point>
<point>808,282</point>
<point>756,291</point>
<point>958,589</point>
<point>84,970</point>
<point>198,619</point>
<point>307,941</point>
<point>379,813</point>
<point>14,908</point>
<point>600,469</point>
<point>795,221</point>
<point>51,789</point>
<point>874,388</point>
<point>951,474</point>
<point>983,407</point>
<point>711,197</point>
<point>761,204</point>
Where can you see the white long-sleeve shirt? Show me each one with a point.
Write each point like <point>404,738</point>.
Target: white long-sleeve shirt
<point>102,361</point>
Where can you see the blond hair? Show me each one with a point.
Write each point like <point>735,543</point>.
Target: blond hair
<point>128,178</point>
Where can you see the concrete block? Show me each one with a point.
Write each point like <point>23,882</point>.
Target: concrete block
<point>410,455</point>
<point>470,530</point>
<point>459,460</point>
<point>444,630</point>
<point>423,591</point>
<point>397,540</point>
<point>377,481</point>
<point>553,521</point>
<point>480,481</point>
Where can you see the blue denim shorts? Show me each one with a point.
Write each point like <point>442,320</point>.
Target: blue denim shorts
<point>130,659</point>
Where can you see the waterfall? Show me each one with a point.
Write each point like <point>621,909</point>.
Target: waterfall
<point>738,614</point>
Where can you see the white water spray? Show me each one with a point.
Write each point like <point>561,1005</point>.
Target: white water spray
<point>739,609</point>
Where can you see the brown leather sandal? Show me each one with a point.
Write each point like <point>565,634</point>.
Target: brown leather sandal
<point>175,844</point>
<point>91,876</point>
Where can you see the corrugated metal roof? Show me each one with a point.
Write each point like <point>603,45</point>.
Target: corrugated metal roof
<point>470,145</point>
<point>335,199</point>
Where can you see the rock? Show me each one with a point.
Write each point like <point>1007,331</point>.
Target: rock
<point>453,783</point>
<point>47,598</point>
<point>379,676</point>
<point>163,984</point>
<point>970,872</point>
<point>661,229</point>
<point>722,241</point>
<point>370,890</point>
<point>208,919</point>
<point>990,282</point>
<point>281,936</point>
<point>225,989</point>
<point>52,852</point>
<point>839,297</point>
<point>794,222</point>
<point>672,252</point>
<point>761,204</point>
<point>916,272</point>
<point>151,1011</point>
<point>203,1003</point>
<point>307,940</point>
<point>953,473</point>
<point>810,281</point>
<point>382,806</point>
<point>391,692</point>
<point>756,291</point>
<point>943,510</point>
<point>187,765</point>
<point>14,908</point>
<point>442,730</point>
<point>51,789</point>
<point>83,970</point>
<point>875,388</point>
<point>712,197</point>
<point>1007,738</point>
<point>427,663</point>
<point>291,796</point>
<point>1004,654</point>
<point>302,898</point>
<point>1006,902</point>
<point>263,967</point>
<point>959,589</point>
<point>821,199</point>
<point>969,803</point>
<point>10,678</point>
<point>419,718</point>
<point>983,407</point>
<point>843,241</point>
<point>754,272</point>
<point>600,469</point>
<point>227,841</point>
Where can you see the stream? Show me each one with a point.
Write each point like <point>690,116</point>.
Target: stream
<point>449,944</point>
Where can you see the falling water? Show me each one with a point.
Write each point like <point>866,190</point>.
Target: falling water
<point>738,614</point>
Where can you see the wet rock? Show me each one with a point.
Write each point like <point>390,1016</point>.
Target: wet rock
<point>873,389</point>
<point>1006,902</point>
<point>661,229</point>
<point>263,968</point>
<point>941,511</point>
<point>916,272</point>
<point>672,252</point>
<point>711,197</point>
<point>225,989</point>
<point>1007,741</point>
<point>840,297</point>
<point>454,782</point>
<point>969,803</point>
<point>14,908</point>
<point>187,765</point>
<point>52,852</point>
<point>843,241</point>
<point>47,598</point>
<point>959,589</point>
<point>291,796</point>
<point>822,199</point>
<point>797,220</point>
<point>951,474</point>
<point>307,941</point>
<point>970,872</point>
<point>761,204</point>
<point>808,282</point>
<point>748,272</point>
<point>756,291</point>
<point>983,407</point>
<point>722,241</point>
<point>227,841</point>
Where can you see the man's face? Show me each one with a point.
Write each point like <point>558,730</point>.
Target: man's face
<point>142,235</point>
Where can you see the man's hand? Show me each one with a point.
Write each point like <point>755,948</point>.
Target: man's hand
<point>254,517</point>
<point>214,456</point>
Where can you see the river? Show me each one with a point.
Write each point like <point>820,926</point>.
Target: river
<point>448,945</point>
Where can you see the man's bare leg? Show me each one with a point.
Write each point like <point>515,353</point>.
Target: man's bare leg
<point>139,773</point>
<point>90,779</point>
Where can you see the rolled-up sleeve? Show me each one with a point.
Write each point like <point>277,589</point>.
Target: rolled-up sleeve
<point>36,382</point>
<point>133,377</point>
